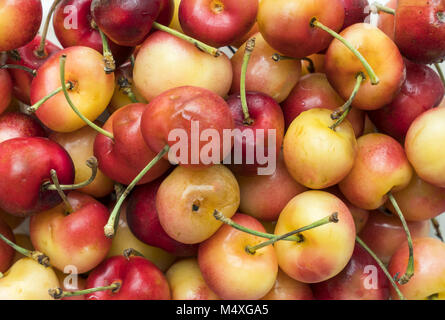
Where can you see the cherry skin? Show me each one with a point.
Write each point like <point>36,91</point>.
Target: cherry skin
<point>429,278</point>
<point>420,200</point>
<point>286,288</point>
<point>314,91</point>
<point>299,39</point>
<point>421,91</point>
<point>355,12</point>
<point>20,22</point>
<point>124,157</point>
<point>267,118</point>
<point>384,233</point>
<point>354,282</point>
<point>316,155</point>
<point>190,109</point>
<point>76,238</point>
<point>166,14</point>
<point>139,279</point>
<point>125,22</point>
<point>124,239</point>
<point>16,125</point>
<point>420,30</point>
<point>318,257</point>
<point>6,252</point>
<point>274,78</point>
<point>186,281</point>
<point>264,196</point>
<point>143,221</point>
<point>28,58</point>
<point>6,86</point>
<point>26,164</point>
<point>252,276</point>
<point>80,146</point>
<point>386,21</point>
<point>342,67</point>
<point>153,74</point>
<point>217,22</point>
<point>199,192</point>
<point>91,94</point>
<point>86,32</point>
<point>380,166</point>
<point>424,145</point>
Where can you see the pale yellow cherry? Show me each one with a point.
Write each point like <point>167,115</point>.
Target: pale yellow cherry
<point>28,280</point>
<point>186,281</point>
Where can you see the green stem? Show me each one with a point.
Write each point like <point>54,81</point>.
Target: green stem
<point>125,86</point>
<point>109,228</point>
<point>382,8</point>
<point>436,226</point>
<point>60,294</point>
<point>92,164</point>
<point>132,61</point>
<point>374,79</point>
<point>220,217</point>
<point>17,66</point>
<point>40,51</point>
<point>410,267</point>
<point>382,266</point>
<point>35,255</point>
<point>110,64</point>
<point>440,72</point>
<point>200,45</point>
<point>250,45</point>
<point>55,179</point>
<point>70,102</point>
<point>346,108</point>
<point>333,218</point>
<point>38,104</point>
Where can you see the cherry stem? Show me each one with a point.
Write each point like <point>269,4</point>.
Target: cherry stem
<point>250,45</point>
<point>40,51</point>
<point>410,267</point>
<point>440,72</point>
<point>382,266</point>
<point>57,187</point>
<point>344,110</point>
<point>125,87</point>
<point>278,57</point>
<point>70,102</point>
<point>35,255</point>
<point>200,45</point>
<point>436,226</point>
<point>92,164</point>
<point>376,8</point>
<point>110,64</point>
<point>311,67</point>
<point>220,217</point>
<point>38,104</point>
<point>374,79</point>
<point>110,227</point>
<point>16,66</point>
<point>58,293</point>
<point>333,218</point>
<point>132,61</point>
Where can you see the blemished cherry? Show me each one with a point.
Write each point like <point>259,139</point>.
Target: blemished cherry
<point>28,58</point>
<point>300,39</point>
<point>26,164</point>
<point>125,22</point>
<point>420,30</point>
<point>252,277</point>
<point>124,156</point>
<point>199,192</point>
<point>20,22</point>
<point>143,221</point>
<point>421,91</point>
<point>361,279</point>
<point>217,22</point>
<point>73,237</point>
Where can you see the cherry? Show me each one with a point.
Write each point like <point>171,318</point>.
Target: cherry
<point>16,124</point>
